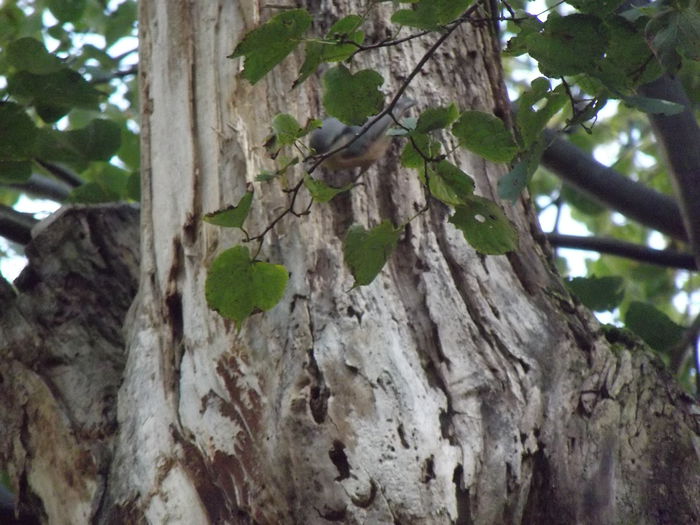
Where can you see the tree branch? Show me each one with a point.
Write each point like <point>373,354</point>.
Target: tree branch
<point>670,258</point>
<point>614,190</point>
<point>679,136</point>
<point>61,173</point>
<point>16,226</point>
<point>44,188</point>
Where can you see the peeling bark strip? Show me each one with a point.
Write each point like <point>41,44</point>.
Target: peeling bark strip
<point>62,355</point>
<point>455,389</point>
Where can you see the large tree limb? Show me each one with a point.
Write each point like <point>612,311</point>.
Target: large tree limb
<point>614,190</point>
<point>44,188</point>
<point>679,136</point>
<point>16,226</point>
<point>625,249</point>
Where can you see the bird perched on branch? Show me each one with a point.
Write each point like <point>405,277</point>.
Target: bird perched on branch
<point>366,149</point>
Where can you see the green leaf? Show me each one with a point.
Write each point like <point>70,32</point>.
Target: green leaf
<point>110,177</point>
<point>533,117</point>
<point>366,252</point>
<point>92,193</point>
<point>427,147</point>
<point>99,140</point>
<point>233,216</point>
<point>485,135</point>
<point>596,6</point>
<point>654,326</point>
<point>266,46</point>
<point>352,98</point>
<point>64,88</point>
<point>437,118</point>
<point>133,187</point>
<point>322,192</point>
<point>286,128</point>
<point>654,105</point>
<point>313,57</point>
<point>15,171</point>
<point>130,149</point>
<point>430,14</point>
<point>345,26</point>
<point>674,32</point>
<point>628,60</point>
<point>121,22</point>
<point>518,44</point>
<point>237,286</point>
<point>569,45</point>
<point>67,10</point>
<point>285,131</point>
<point>511,185</point>
<point>18,132</point>
<point>28,54</point>
<point>485,227</point>
<point>331,49</point>
<point>449,184</point>
<point>598,293</point>
<point>55,145</point>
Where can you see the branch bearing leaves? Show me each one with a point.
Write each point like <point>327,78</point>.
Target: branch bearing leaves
<point>366,252</point>
<point>67,10</point>
<point>653,105</point>
<point>436,118</point>
<point>237,286</point>
<point>322,192</point>
<point>332,49</point>
<point>428,148</point>
<point>485,227</point>
<point>569,45</point>
<point>598,293</point>
<point>532,121</point>
<point>344,29</point>
<point>518,44</point>
<point>653,326</point>
<point>485,135</point>
<point>28,54</point>
<point>352,98</point>
<point>628,61</point>
<point>269,44</point>
<point>284,164</point>
<point>430,14</point>
<point>233,216</point>
<point>285,131</point>
<point>449,184</point>
<point>673,32</point>
<point>18,132</point>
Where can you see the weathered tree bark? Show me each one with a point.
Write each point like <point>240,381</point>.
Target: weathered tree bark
<point>454,389</point>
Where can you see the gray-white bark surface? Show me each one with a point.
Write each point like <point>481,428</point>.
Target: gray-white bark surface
<point>456,388</point>
<point>62,358</point>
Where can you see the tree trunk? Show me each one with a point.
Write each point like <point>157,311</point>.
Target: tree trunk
<point>456,388</point>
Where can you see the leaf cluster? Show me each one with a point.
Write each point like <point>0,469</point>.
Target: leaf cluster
<point>587,58</point>
<point>59,117</point>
